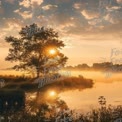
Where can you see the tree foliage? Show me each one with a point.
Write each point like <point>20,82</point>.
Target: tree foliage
<point>31,49</point>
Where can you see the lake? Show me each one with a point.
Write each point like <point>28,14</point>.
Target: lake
<point>105,84</point>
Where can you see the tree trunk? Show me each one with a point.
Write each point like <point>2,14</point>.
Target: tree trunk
<point>38,73</point>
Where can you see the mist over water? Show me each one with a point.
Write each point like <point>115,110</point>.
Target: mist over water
<point>105,84</point>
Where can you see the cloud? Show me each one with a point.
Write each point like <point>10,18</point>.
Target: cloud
<point>24,14</point>
<point>68,17</point>
<point>88,14</point>
<point>25,3</point>
<point>114,15</point>
<point>113,29</point>
<point>62,1</point>
<point>94,22</point>
<point>77,5</point>
<point>30,3</point>
<point>49,7</point>
<point>1,10</point>
<point>119,1</point>
<point>16,21</point>
<point>10,1</point>
<point>113,8</point>
<point>2,36</point>
<point>111,18</point>
<point>36,2</point>
<point>12,27</point>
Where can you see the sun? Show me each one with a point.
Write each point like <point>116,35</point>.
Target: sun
<point>52,51</point>
<point>52,93</point>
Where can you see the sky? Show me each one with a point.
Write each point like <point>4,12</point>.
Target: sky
<point>90,29</point>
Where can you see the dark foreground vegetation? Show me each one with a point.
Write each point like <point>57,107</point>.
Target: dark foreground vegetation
<point>59,112</point>
<point>11,100</point>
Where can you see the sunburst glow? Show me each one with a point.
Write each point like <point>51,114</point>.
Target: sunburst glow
<point>52,51</point>
<point>52,93</point>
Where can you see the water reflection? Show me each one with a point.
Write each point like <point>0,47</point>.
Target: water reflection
<point>110,87</point>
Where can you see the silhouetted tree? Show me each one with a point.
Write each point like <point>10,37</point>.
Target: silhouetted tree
<point>31,49</point>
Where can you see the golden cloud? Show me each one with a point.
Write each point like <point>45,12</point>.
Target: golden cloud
<point>48,7</point>
<point>88,14</point>
<point>25,14</point>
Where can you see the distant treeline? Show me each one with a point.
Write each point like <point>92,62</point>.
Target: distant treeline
<point>15,78</point>
<point>109,66</point>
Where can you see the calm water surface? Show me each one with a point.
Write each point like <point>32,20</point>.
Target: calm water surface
<point>106,84</point>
